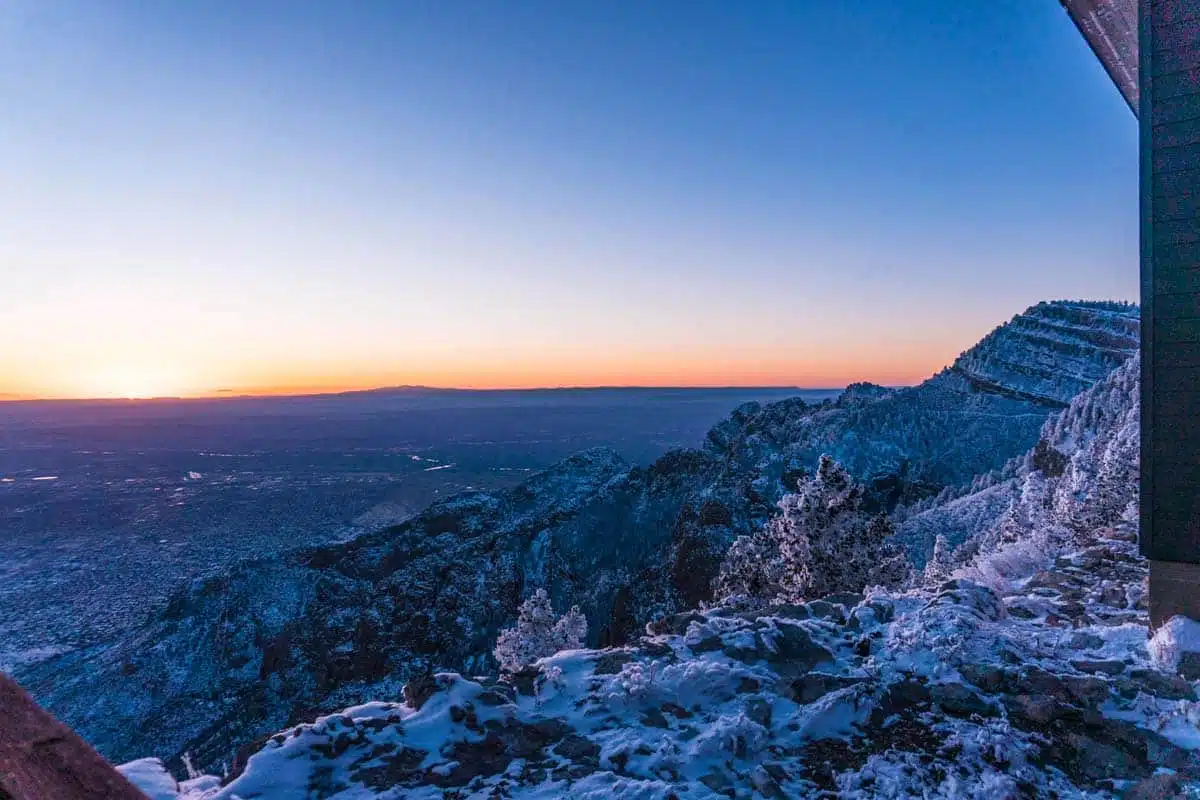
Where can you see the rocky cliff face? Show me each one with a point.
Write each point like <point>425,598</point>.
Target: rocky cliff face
<point>278,640</point>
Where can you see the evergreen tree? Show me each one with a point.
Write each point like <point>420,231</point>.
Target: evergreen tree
<point>539,633</point>
<point>822,542</point>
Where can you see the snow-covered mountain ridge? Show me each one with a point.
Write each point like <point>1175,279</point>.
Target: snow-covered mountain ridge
<point>276,641</point>
<point>1081,474</point>
<point>1023,670</point>
<point>1053,351</point>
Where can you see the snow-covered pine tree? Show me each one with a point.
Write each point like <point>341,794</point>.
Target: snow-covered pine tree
<point>539,633</point>
<point>940,563</point>
<point>822,542</point>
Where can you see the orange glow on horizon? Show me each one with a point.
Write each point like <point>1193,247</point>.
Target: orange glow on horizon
<point>649,370</point>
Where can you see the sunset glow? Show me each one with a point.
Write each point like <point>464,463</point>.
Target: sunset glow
<point>206,204</point>
<point>131,384</point>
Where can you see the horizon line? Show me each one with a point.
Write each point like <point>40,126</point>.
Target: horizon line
<point>226,394</point>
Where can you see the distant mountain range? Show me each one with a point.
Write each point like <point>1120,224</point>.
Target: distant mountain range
<point>274,641</point>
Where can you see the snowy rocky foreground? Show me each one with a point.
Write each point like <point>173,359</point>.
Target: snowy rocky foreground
<point>1045,689</point>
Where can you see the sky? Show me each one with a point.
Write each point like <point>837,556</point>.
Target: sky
<point>250,196</point>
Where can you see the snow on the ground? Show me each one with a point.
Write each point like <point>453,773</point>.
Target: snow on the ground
<point>1046,688</point>
<point>149,775</point>
<point>1179,635</point>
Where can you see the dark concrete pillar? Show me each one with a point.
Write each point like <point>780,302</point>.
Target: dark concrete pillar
<point>1169,119</point>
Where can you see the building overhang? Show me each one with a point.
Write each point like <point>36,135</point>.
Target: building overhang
<point>1111,29</point>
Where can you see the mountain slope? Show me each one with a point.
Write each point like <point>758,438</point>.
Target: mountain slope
<point>1081,475</point>
<point>1030,673</point>
<point>954,691</point>
<point>278,640</point>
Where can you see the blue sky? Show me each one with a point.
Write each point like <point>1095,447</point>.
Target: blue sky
<point>275,196</point>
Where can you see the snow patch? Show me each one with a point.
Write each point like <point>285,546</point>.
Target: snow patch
<point>1178,636</point>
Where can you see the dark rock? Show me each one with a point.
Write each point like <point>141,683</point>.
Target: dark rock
<point>1085,641</point>
<point>1089,760</point>
<point>759,710</point>
<point>1075,611</point>
<point>747,655</point>
<point>677,711</point>
<point>489,756</point>
<point>675,624</point>
<point>845,599</point>
<point>1110,667</point>
<point>718,783</point>
<point>988,677</point>
<point>822,609</point>
<point>611,663</point>
<point>1032,711</point>
<point>1088,692</point>
<point>396,768</point>
<point>885,610</point>
<point>420,689</point>
<point>816,685</point>
<point>656,649</point>
<point>707,645</point>
<point>1039,682</point>
<point>1160,684</point>
<point>524,681</point>
<point>496,696</point>
<point>747,685</point>
<point>526,740</point>
<point>968,595</point>
<point>1115,596</point>
<point>863,647</point>
<point>795,651</point>
<point>1047,579</point>
<point>696,561</point>
<point>1157,787</point>
<point>788,611</point>
<point>766,784</point>
<point>960,701</point>
<point>654,718</point>
<point>577,748</point>
<point>903,697</point>
<point>1189,666</point>
<point>622,623</point>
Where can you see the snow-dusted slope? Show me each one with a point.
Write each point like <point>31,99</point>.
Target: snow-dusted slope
<point>1030,673</point>
<point>1043,690</point>
<point>274,641</point>
<point>968,419</point>
<point>1053,351</point>
<point>1081,475</point>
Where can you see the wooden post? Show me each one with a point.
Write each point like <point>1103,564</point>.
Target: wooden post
<point>1169,121</point>
<point>42,759</point>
